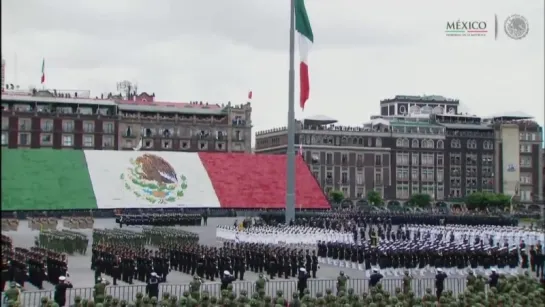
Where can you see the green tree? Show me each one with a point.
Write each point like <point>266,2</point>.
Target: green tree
<point>374,198</point>
<point>481,201</point>
<point>337,196</point>
<point>421,200</point>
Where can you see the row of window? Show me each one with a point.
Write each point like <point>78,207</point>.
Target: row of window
<point>424,174</point>
<point>424,159</point>
<point>430,144</point>
<point>471,144</point>
<point>67,140</point>
<point>529,136</point>
<point>168,144</point>
<point>345,177</point>
<point>202,133</point>
<point>46,125</point>
<point>339,141</point>
<point>315,156</point>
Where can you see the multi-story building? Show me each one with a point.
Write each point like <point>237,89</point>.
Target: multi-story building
<point>59,119</point>
<point>416,145</point>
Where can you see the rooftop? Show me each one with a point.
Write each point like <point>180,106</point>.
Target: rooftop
<point>422,98</point>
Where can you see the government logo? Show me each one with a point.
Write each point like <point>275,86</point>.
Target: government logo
<point>152,178</point>
<point>516,27</point>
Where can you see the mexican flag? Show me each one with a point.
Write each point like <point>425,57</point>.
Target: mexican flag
<point>43,71</point>
<point>306,39</point>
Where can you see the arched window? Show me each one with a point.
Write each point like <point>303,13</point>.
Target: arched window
<point>440,144</point>
<point>415,143</point>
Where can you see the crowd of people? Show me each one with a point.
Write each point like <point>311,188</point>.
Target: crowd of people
<point>161,219</point>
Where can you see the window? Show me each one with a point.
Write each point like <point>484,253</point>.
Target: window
<point>46,139</point>
<point>526,178</point>
<point>5,123</point>
<point>148,132</point>
<point>414,159</point>
<point>488,145</point>
<point>415,188</point>
<point>329,158</point>
<point>402,158</point>
<point>238,135</point>
<point>128,132</point>
<point>359,178</point>
<point>525,161</point>
<point>24,124</point>
<point>378,177</point>
<point>414,174</point>
<point>166,144</point>
<point>329,177</point>
<point>440,175</point>
<point>359,159</point>
<point>440,161</point>
<point>533,136</point>
<point>360,192</point>
<point>378,142</point>
<point>402,142</point>
<point>427,144</point>
<point>88,141</point>
<point>107,141</point>
<point>4,138</point>
<point>67,140</point>
<point>184,145</point>
<point>24,139</point>
<point>526,148</point>
<point>88,127</point>
<point>68,126</point>
<point>344,178</point>
<point>440,144</point>
<point>471,144</point>
<point>47,125</point>
<point>344,158</point>
<point>455,143</point>
<point>415,144</point>
<point>108,127</point>
<point>378,160</point>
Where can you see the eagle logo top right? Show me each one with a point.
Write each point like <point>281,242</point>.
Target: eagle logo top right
<point>516,26</point>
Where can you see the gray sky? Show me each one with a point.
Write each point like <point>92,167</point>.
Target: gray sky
<point>217,50</point>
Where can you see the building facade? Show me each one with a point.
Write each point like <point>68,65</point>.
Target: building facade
<point>417,145</point>
<point>53,119</point>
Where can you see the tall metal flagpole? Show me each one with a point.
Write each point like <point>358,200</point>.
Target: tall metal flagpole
<point>290,168</point>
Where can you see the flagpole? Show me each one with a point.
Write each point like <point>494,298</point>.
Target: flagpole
<point>290,168</point>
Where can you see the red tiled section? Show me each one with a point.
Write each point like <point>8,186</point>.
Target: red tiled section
<point>259,181</point>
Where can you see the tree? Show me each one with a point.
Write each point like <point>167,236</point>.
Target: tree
<point>421,200</point>
<point>481,201</point>
<point>374,198</point>
<point>337,196</point>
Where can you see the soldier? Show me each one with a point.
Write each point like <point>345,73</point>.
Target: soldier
<point>341,282</point>
<point>13,292</point>
<point>260,283</point>
<point>60,291</point>
<point>407,282</point>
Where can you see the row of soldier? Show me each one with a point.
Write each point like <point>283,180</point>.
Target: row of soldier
<point>63,241</point>
<point>346,219</point>
<point>123,255</point>
<point>34,265</point>
<point>164,219</point>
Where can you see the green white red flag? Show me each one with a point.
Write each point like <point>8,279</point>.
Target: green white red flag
<point>306,39</point>
<point>43,71</point>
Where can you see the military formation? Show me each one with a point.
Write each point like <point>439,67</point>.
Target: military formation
<point>10,224</point>
<point>42,223</point>
<point>63,241</point>
<point>349,218</point>
<point>423,249</point>
<point>162,219</point>
<point>122,254</point>
<point>34,265</point>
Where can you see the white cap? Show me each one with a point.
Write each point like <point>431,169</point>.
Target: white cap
<point>226,273</point>
<point>493,270</point>
<point>154,274</point>
<point>302,269</point>
<point>439,270</point>
<point>62,278</point>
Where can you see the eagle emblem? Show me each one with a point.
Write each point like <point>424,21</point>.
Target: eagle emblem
<point>152,178</point>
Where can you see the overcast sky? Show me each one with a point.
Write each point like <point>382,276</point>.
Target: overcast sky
<point>217,50</point>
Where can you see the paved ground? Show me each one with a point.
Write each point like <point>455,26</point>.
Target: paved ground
<point>82,277</point>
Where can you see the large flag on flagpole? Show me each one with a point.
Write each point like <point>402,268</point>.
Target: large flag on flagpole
<point>43,71</point>
<point>306,39</point>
